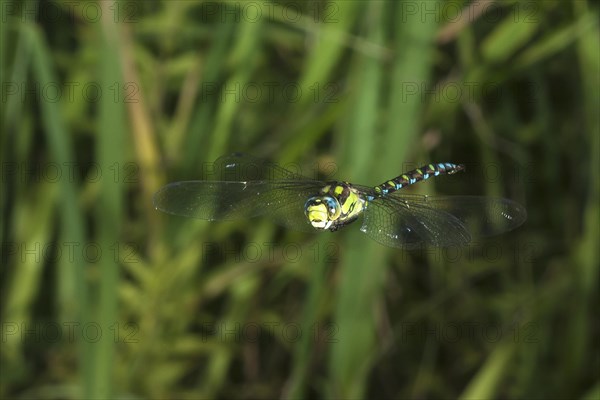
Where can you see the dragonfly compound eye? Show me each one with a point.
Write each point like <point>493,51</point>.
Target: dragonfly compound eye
<point>321,211</point>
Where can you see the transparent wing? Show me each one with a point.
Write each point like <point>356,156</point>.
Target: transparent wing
<point>406,221</point>
<point>241,186</point>
<point>395,223</point>
<point>282,201</point>
<point>244,167</point>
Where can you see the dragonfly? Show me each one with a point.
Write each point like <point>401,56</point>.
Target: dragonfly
<point>243,186</point>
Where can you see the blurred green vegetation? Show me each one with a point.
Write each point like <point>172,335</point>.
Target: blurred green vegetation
<point>104,102</point>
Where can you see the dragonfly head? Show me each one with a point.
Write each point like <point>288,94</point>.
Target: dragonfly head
<point>322,211</point>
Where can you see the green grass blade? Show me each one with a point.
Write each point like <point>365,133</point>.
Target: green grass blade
<point>109,210</point>
<point>489,377</point>
<point>362,269</point>
<point>73,301</point>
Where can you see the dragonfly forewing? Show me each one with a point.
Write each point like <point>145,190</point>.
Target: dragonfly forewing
<point>281,201</point>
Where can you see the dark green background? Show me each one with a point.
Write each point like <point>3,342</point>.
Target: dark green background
<point>103,103</point>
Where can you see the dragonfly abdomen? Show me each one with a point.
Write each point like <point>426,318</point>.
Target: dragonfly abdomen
<point>417,175</point>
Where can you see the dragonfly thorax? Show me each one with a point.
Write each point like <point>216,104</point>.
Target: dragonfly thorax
<point>338,204</point>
